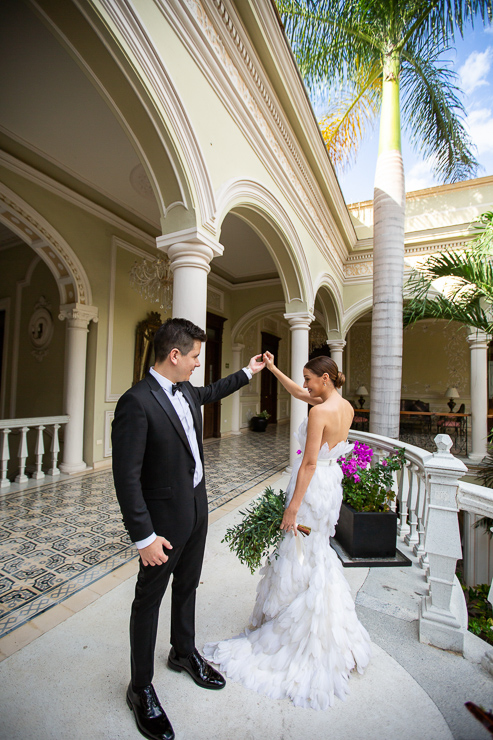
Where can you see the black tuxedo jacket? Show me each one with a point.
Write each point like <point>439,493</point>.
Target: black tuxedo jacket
<point>153,465</point>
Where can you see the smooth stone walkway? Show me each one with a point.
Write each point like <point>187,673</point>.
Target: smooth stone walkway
<point>71,681</point>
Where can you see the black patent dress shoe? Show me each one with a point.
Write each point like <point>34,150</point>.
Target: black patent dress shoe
<point>150,717</point>
<point>202,673</point>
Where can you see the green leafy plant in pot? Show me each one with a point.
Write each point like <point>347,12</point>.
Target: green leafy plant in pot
<point>259,422</point>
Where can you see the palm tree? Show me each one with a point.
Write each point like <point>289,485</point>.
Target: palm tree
<point>385,54</point>
<point>466,295</point>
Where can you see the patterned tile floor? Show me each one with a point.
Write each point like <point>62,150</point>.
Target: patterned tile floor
<point>59,538</point>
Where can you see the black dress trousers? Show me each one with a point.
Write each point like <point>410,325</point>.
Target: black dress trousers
<point>185,564</point>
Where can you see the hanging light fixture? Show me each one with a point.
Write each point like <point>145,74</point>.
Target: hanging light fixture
<point>154,281</point>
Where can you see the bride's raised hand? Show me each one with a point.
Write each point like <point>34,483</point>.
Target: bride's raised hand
<point>268,358</point>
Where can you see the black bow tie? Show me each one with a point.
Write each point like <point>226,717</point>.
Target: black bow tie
<point>175,387</point>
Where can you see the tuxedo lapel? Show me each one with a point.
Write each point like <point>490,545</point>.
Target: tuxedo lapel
<point>163,400</point>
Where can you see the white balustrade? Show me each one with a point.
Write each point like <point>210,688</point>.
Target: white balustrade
<point>49,425</point>
<point>429,494</point>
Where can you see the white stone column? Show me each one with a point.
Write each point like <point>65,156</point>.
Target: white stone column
<point>78,318</point>
<point>235,410</point>
<point>299,324</point>
<point>336,347</point>
<point>190,265</point>
<point>478,344</point>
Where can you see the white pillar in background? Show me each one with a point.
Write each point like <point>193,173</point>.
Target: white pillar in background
<point>336,347</point>
<point>299,324</point>
<point>190,265</point>
<point>478,344</point>
<point>78,318</point>
<point>236,409</point>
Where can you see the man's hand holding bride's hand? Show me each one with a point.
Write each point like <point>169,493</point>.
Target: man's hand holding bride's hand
<point>256,365</point>
<point>268,358</point>
<point>289,521</point>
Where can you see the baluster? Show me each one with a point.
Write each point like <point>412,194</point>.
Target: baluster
<point>39,452</point>
<point>424,560</point>
<point>21,477</point>
<point>4,481</point>
<point>402,525</point>
<point>412,537</point>
<point>54,450</point>
<point>395,489</point>
<point>418,548</point>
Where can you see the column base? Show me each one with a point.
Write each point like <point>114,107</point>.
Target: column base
<point>475,457</point>
<point>440,628</point>
<point>69,468</point>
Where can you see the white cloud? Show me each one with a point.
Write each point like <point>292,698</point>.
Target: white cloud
<point>420,176</point>
<point>480,126</point>
<point>476,67</point>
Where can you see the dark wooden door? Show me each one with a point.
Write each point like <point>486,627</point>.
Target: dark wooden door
<point>268,385</point>
<point>213,355</point>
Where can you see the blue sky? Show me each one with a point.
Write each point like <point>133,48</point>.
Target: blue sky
<point>472,59</point>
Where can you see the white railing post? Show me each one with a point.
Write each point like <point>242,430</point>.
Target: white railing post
<point>38,454</point>
<point>412,536</point>
<point>4,481</point>
<point>402,525</point>
<point>419,548</point>
<point>54,450</point>
<point>443,613</point>
<point>21,477</point>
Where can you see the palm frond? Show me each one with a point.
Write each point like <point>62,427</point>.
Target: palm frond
<point>471,275</point>
<point>483,243</point>
<point>350,114</point>
<point>440,307</point>
<point>433,112</point>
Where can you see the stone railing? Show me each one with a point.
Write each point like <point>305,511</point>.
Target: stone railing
<point>430,493</point>
<point>44,425</point>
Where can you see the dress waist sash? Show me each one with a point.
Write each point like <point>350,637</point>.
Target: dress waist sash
<point>327,461</point>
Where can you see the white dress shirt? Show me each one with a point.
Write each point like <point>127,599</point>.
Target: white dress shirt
<point>182,408</point>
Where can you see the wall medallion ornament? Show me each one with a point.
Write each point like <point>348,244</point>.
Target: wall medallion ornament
<point>41,328</point>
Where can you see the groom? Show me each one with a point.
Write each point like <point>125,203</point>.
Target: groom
<point>159,480</point>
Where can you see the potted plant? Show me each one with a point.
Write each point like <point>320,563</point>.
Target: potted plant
<point>367,528</point>
<point>259,422</point>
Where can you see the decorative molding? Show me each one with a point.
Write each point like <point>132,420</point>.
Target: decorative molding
<point>21,284</point>
<point>243,324</point>
<point>34,230</point>
<point>5,306</point>
<point>62,191</point>
<point>108,418</point>
<point>41,328</point>
<point>215,299</point>
<point>217,45</point>
<point>126,21</point>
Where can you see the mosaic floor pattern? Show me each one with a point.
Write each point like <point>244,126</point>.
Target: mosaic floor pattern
<point>61,537</point>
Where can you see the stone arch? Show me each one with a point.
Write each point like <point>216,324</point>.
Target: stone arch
<point>71,278</point>
<point>356,311</point>
<point>330,297</point>
<point>253,315</point>
<point>131,77</point>
<point>252,202</point>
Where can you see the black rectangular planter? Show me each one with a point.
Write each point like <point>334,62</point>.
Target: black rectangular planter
<point>367,534</point>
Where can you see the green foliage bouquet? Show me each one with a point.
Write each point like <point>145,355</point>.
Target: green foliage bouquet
<point>259,531</point>
<point>368,487</point>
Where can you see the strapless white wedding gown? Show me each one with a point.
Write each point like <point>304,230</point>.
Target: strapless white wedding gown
<point>305,637</point>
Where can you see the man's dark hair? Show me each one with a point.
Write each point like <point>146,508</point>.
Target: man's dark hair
<point>179,333</point>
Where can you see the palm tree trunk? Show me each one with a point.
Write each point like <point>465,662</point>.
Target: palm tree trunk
<point>388,264</point>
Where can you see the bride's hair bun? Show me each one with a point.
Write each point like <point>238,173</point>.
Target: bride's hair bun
<point>340,380</point>
<point>324,364</point>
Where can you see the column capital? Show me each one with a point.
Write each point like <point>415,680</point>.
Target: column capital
<point>237,347</point>
<point>190,237</point>
<point>78,312</point>
<point>336,344</point>
<point>299,320</point>
<point>478,340</point>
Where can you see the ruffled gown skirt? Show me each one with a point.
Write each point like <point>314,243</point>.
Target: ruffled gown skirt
<point>305,637</point>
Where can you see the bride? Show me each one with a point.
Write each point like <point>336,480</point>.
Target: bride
<point>305,637</point>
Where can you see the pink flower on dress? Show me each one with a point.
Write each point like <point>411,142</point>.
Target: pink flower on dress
<point>298,452</point>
